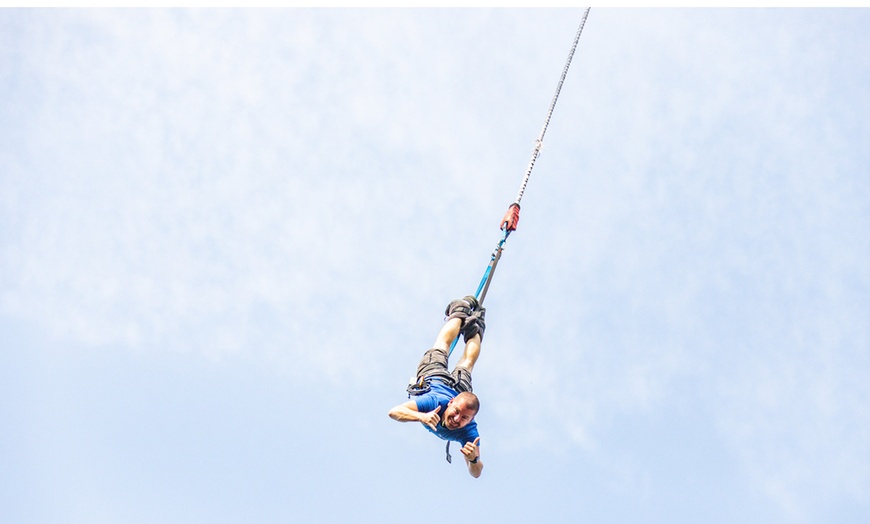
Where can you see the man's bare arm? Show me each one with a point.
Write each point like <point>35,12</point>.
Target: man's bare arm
<point>407,412</point>
<point>471,452</point>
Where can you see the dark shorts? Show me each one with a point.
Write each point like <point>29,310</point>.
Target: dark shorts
<point>433,365</point>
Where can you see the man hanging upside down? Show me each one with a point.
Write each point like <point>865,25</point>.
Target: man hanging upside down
<point>448,408</point>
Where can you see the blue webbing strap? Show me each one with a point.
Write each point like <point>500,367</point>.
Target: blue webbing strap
<point>483,287</point>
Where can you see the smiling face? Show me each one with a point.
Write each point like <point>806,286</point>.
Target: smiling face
<point>458,414</point>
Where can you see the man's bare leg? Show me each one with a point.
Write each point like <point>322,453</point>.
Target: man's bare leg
<point>449,332</point>
<point>469,356</point>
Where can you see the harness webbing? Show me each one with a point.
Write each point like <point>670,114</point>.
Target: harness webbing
<point>511,219</point>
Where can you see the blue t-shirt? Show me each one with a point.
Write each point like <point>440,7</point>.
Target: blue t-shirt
<point>440,395</point>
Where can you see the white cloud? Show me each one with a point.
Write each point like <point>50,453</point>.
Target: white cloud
<point>311,187</point>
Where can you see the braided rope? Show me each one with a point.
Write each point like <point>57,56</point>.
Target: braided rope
<point>496,254</point>
<point>539,143</point>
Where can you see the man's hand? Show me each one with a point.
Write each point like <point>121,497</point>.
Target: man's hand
<point>471,450</point>
<point>407,412</point>
<point>431,418</point>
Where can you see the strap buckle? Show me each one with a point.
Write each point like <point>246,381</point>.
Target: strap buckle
<point>421,387</point>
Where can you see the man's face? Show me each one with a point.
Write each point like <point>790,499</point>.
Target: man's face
<point>457,415</point>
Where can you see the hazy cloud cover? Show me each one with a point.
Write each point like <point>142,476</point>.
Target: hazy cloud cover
<point>226,237</point>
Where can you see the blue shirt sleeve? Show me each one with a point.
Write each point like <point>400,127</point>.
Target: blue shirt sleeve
<point>471,433</point>
<point>426,402</point>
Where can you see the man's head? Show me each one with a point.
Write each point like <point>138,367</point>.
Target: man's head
<point>461,410</point>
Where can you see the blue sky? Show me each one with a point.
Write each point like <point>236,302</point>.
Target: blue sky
<point>226,237</point>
